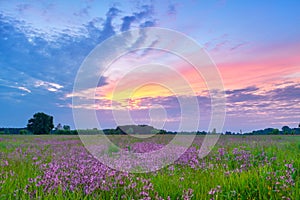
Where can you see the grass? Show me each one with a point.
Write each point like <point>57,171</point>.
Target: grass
<point>26,154</point>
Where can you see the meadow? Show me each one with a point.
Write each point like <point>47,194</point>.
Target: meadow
<point>238,167</point>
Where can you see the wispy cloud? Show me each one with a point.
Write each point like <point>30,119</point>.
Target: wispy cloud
<point>24,89</point>
<point>52,87</point>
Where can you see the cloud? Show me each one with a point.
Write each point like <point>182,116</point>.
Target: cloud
<point>237,46</point>
<point>52,87</point>
<point>127,20</point>
<point>243,90</point>
<point>276,106</point>
<point>223,44</point>
<point>22,7</point>
<point>289,93</point>
<point>147,24</point>
<point>14,86</point>
<point>142,17</point>
<point>243,95</point>
<point>24,89</point>
<point>293,75</point>
<point>146,10</point>
<point>108,29</point>
<point>36,62</point>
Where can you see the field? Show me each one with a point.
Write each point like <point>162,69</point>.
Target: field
<point>238,167</point>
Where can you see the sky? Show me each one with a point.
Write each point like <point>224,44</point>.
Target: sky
<point>254,45</point>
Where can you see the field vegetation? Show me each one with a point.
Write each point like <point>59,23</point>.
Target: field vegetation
<point>238,167</point>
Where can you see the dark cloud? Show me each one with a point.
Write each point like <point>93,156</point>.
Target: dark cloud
<point>127,20</point>
<point>243,90</point>
<point>108,29</point>
<point>270,107</point>
<point>243,95</point>
<point>289,93</point>
<point>147,24</point>
<point>142,17</point>
<point>146,12</point>
<point>94,31</point>
<point>112,12</point>
<point>102,81</point>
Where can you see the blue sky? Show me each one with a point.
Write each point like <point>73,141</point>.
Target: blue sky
<point>254,44</point>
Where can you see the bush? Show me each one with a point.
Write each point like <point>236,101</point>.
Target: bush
<point>24,132</point>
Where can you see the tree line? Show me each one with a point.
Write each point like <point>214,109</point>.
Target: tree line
<point>42,123</point>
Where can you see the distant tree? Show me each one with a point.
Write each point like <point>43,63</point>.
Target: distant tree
<point>293,131</point>
<point>286,130</point>
<point>297,131</point>
<point>23,132</point>
<point>67,128</point>
<point>162,132</point>
<point>214,131</point>
<point>228,133</point>
<point>201,133</point>
<point>275,131</point>
<point>41,123</point>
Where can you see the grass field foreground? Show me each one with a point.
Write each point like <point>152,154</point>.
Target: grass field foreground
<point>239,167</point>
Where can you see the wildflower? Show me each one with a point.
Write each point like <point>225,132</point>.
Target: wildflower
<point>221,151</point>
<point>143,193</point>
<point>171,168</point>
<point>290,166</point>
<point>5,162</point>
<point>212,191</point>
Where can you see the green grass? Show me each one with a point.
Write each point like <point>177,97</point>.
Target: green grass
<point>250,184</point>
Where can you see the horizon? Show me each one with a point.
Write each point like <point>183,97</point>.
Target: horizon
<point>254,45</point>
<point>240,132</point>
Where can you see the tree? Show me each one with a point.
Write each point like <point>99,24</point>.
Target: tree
<point>67,128</point>
<point>23,132</point>
<point>286,130</point>
<point>41,123</point>
<point>275,131</point>
<point>162,132</point>
<point>214,131</point>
